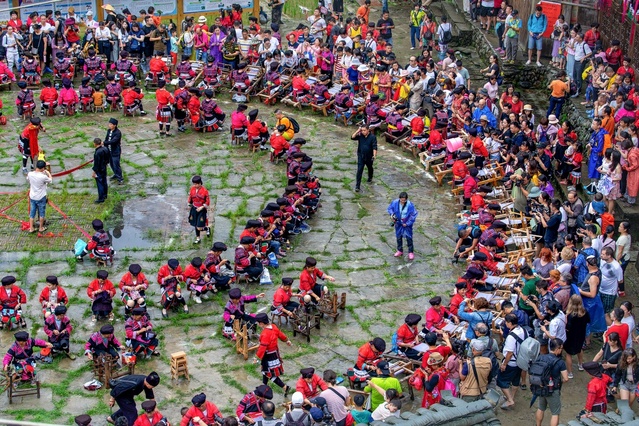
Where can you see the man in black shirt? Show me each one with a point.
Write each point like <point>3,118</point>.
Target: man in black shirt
<point>126,389</point>
<point>385,27</point>
<point>558,375</point>
<point>148,28</point>
<point>101,159</point>
<point>366,153</point>
<point>113,141</point>
<point>386,56</point>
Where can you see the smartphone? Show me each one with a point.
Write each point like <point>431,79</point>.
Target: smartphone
<point>339,380</point>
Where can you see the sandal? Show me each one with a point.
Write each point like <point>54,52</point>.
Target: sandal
<point>43,229</point>
<point>32,231</point>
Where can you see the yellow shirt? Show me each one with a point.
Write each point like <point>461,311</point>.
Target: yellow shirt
<point>289,132</point>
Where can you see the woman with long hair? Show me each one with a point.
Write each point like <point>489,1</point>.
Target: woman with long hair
<point>577,319</point>
<point>610,354</point>
<point>629,318</point>
<point>627,376</point>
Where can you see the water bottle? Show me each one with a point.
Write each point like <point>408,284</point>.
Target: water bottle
<point>551,384</point>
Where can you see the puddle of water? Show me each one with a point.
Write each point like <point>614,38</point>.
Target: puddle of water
<point>132,223</point>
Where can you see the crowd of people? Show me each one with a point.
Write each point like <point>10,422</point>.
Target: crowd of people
<point>568,294</point>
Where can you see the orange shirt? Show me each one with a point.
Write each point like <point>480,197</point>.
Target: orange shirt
<point>559,88</point>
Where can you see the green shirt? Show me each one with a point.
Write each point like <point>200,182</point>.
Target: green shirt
<point>416,18</point>
<point>530,287</point>
<point>385,383</point>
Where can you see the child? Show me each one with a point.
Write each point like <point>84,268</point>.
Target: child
<point>360,415</point>
<point>235,309</point>
<point>164,112</point>
<point>174,47</point>
<point>390,408</point>
<point>98,99</point>
<point>597,388</point>
<point>62,67</point>
<point>49,98</point>
<point>24,101</point>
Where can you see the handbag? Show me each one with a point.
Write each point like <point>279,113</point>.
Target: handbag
<point>605,185</point>
<point>36,50</point>
<point>265,279</point>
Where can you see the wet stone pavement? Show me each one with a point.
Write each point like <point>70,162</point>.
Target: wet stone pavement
<point>351,238</point>
<point>147,217</point>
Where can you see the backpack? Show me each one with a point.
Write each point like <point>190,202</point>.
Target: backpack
<point>573,89</point>
<point>299,422</point>
<point>540,373</point>
<point>447,35</point>
<point>394,345</point>
<point>494,363</point>
<point>295,124</point>
<point>528,350</point>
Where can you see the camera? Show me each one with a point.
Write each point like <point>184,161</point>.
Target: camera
<point>393,220</point>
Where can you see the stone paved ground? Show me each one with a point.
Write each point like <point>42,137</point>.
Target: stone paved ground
<point>147,217</point>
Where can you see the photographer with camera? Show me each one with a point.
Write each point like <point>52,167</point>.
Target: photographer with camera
<point>550,220</point>
<point>522,185</point>
<point>474,373</point>
<point>574,209</point>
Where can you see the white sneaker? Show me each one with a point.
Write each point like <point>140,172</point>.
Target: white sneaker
<point>527,62</point>
<point>580,367</point>
<point>571,376</point>
<point>539,64</point>
<point>197,299</point>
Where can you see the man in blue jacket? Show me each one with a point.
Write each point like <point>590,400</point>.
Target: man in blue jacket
<point>537,24</point>
<point>403,214</point>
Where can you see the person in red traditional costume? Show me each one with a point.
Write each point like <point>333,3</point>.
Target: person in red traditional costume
<point>164,112</point>
<point>169,277</point>
<point>310,385</point>
<point>202,412</point>
<point>151,416</point>
<point>269,353</point>
<point>199,202</point>
<point>28,143</point>
<point>308,280</point>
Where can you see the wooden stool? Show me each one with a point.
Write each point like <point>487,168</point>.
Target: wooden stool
<point>179,365</point>
<point>242,344</point>
<point>277,318</point>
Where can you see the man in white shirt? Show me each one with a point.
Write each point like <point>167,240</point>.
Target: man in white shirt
<point>509,373</point>
<point>611,276</point>
<point>344,38</point>
<point>412,65</point>
<point>582,53</point>
<point>38,181</point>
<point>318,24</point>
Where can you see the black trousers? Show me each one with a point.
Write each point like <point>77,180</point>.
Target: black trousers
<point>361,162</point>
<point>127,409</point>
<point>103,185</point>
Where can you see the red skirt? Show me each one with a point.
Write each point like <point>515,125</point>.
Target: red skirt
<point>272,364</point>
<point>164,114</point>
